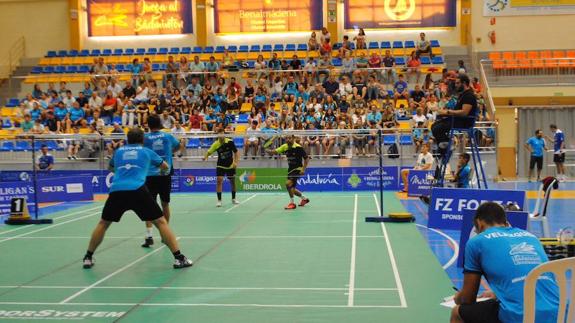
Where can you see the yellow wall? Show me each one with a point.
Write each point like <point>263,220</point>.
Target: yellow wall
<point>506,142</point>
<point>522,32</point>
<point>43,23</point>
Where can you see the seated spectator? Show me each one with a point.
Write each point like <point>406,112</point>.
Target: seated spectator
<point>195,122</point>
<point>504,256</point>
<point>361,63</point>
<point>325,35</point>
<point>147,70</point>
<point>129,114</point>
<point>476,85</point>
<point>360,42</point>
<point>423,46</point>
<point>414,66</point>
<point>117,140</point>
<point>129,90</point>
<point>463,173</point>
<point>417,97</point>
<point>374,61</point>
<point>312,43</point>
<point>324,66</point>
<point>373,88</point>
<point>51,124</point>
<point>424,162</point>
<point>184,75</point>
<point>461,69</point>
<point>359,138</point>
<point>347,65</point>
<point>136,70</point>
<point>295,66</point>
<point>359,87</point>
<point>290,89</point>
<point>75,144</point>
<point>227,59</point>
<point>325,48</point>
<point>197,68</point>
<point>179,132</point>
<point>45,161</point>
<point>389,73</point>
<point>37,92</point>
<point>212,67</point>
<point>420,136</point>
<point>400,90</point>
<point>346,47</point>
<point>312,142</point>
<point>252,141</point>
<point>76,117</point>
<point>431,107</point>
<point>345,88</point>
<point>249,91</point>
<point>27,124</point>
<point>310,67</point>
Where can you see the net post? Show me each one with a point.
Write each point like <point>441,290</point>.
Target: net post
<point>381,216</point>
<point>35,178</point>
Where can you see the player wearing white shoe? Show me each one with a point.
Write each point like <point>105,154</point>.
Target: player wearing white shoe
<point>558,151</point>
<point>228,157</point>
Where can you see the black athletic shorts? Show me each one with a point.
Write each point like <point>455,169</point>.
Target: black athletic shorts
<point>480,312</point>
<point>293,176</point>
<point>536,160</point>
<point>228,172</point>
<point>559,158</point>
<point>160,185</point>
<point>140,201</point>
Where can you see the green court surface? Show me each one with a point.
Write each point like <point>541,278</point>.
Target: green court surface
<point>254,262</point>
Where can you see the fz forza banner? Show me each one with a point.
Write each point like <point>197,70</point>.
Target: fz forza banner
<point>139,17</point>
<point>380,14</point>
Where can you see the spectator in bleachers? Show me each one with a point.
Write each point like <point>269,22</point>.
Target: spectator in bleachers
<point>98,123</point>
<point>171,71</point>
<point>389,73</point>
<point>179,132</point>
<point>36,112</point>
<point>167,120</point>
<point>347,65</point>
<point>361,63</point>
<point>360,42</point>
<point>431,107</point>
<point>346,47</point>
<point>184,72</point>
<point>423,46</point>
<point>249,91</point>
<point>417,98</point>
<point>37,92</point>
<point>359,87</point>
<point>114,87</point>
<point>373,88</point>
<point>461,69</point>
<point>325,35</point>
<point>476,85</point>
<point>212,67</point>
<point>51,124</point>
<point>374,61</point>
<point>63,89</point>
<point>325,48</point>
<point>117,141</point>
<point>129,90</point>
<point>400,90</point>
<point>197,68</point>
<point>146,70</point>
<point>27,124</point>
<point>129,114</point>
<point>135,70</point>
<point>75,144</point>
<point>227,59</point>
<point>324,66</point>
<point>87,91</point>
<point>414,66</point>
<point>252,141</point>
<point>312,43</point>
<point>419,117</point>
<point>310,68</point>
<point>45,161</point>
<point>68,99</point>
<point>94,104</point>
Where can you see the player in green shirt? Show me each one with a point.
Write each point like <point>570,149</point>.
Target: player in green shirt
<point>297,163</point>
<point>228,157</point>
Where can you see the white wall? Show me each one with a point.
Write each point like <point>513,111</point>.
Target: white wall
<point>43,23</point>
<point>522,32</point>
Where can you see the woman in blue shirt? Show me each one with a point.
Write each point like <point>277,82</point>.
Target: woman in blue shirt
<point>135,69</point>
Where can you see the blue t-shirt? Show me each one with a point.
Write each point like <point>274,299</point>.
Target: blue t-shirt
<point>44,161</point>
<point>60,113</point>
<point>537,145</point>
<point>463,177</point>
<point>505,256</point>
<point>131,165</point>
<point>400,86</point>
<point>76,114</point>
<point>35,114</point>
<point>162,144</point>
<point>559,139</point>
<point>375,117</point>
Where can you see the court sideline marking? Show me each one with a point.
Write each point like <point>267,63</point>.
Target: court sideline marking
<point>392,258</point>
<point>351,285</point>
<point>202,288</point>
<point>242,202</point>
<point>455,245</point>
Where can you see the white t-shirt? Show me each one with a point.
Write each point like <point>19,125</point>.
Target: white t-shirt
<point>420,118</point>
<point>423,160</point>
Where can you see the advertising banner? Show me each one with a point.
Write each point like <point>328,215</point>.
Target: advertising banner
<point>492,8</point>
<point>379,14</point>
<point>10,190</point>
<point>419,182</point>
<point>516,219</point>
<point>261,179</point>
<point>139,17</point>
<point>367,178</point>
<point>65,189</point>
<point>263,16</point>
<point>448,204</point>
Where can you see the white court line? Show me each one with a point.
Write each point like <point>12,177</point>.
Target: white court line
<point>48,227</point>
<point>57,218</point>
<point>455,246</point>
<point>351,285</point>
<point>242,202</point>
<point>400,290</point>
<point>203,288</point>
<point>213,237</point>
<point>200,305</point>
<point>111,275</point>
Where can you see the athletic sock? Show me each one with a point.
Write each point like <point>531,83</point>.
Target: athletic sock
<point>178,255</point>
<point>303,197</point>
<point>233,195</point>
<point>291,199</point>
<point>89,254</point>
<point>219,196</point>
<point>149,232</point>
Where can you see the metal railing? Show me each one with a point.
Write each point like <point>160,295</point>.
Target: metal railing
<point>530,72</point>
<point>11,61</point>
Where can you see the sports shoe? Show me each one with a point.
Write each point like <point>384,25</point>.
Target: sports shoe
<point>219,204</point>
<point>234,201</point>
<point>303,202</point>
<point>183,263</point>
<point>290,206</point>
<point>88,263</point>
<point>148,242</point>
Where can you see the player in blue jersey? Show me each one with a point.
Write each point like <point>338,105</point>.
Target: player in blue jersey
<point>131,164</point>
<point>45,160</point>
<point>558,151</point>
<point>504,256</point>
<point>163,144</point>
<point>536,147</point>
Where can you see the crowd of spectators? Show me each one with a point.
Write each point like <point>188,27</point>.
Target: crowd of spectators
<point>363,93</point>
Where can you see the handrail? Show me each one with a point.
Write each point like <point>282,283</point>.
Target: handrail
<point>9,63</point>
<point>489,104</point>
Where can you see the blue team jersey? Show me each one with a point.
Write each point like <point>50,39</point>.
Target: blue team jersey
<point>44,161</point>
<point>76,114</point>
<point>400,86</point>
<point>505,256</point>
<point>463,177</point>
<point>162,144</point>
<point>537,145</point>
<point>131,165</point>
<point>60,113</point>
<point>559,138</point>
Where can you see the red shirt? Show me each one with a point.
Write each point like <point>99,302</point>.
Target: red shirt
<point>195,121</point>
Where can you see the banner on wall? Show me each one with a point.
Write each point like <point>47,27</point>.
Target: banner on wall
<point>139,17</point>
<point>263,16</point>
<point>493,8</point>
<point>379,14</point>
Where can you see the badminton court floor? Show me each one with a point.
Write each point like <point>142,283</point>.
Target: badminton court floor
<point>254,262</point>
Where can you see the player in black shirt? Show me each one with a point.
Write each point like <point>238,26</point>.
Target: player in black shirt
<point>228,157</point>
<point>297,163</point>
<point>466,107</point>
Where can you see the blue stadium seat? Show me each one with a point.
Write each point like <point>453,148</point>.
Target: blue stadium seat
<point>121,68</point>
<point>48,70</point>
<point>197,50</point>
<point>155,67</point>
<point>397,44</point>
<point>22,146</point>
<point>95,52</point>
<point>243,49</point>
<point>129,52</point>
<point>290,47</point>
<point>337,46</point>
<point>409,44</point>
<point>84,69</point>
<point>278,48</point>
<point>255,48</point>
<point>251,64</point>
<point>117,119</point>
<point>36,70</point>
<point>437,60</point>
<point>7,146</point>
<point>399,61</point>
<point>7,123</point>
<point>51,53</point>
<point>239,142</point>
<point>302,47</point>
<point>140,51</point>
<point>352,45</point>
<point>193,143</point>
<point>208,50</point>
<point>373,45</point>
<point>107,52</point>
<point>72,69</point>
<point>243,118</point>
<point>336,62</point>
<point>232,48</point>
<point>186,50</point>
<point>118,52</point>
<point>152,51</point>
<point>72,53</point>
<point>52,145</point>
<point>12,103</point>
<point>385,45</point>
<point>220,49</point>
<point>163,51</point>
<point>84,53</point>
<point>405,140</point>
<point>435,43</point>
<point>425,60</point>
<point>60,69</point>
<point>62,53</point>
<point>389,139</point>
<point>163,67</point>
<point>390,93</point>
<point>267,48</point>
<point>174,51</point>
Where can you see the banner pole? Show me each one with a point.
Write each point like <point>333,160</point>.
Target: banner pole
<point>35,178</point>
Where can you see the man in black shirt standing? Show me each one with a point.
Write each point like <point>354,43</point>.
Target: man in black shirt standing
<point>297,163</point>
<point>228,157</point>
<point>463,116</point>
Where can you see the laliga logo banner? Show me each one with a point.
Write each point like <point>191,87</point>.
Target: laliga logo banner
<point>448,205</point>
